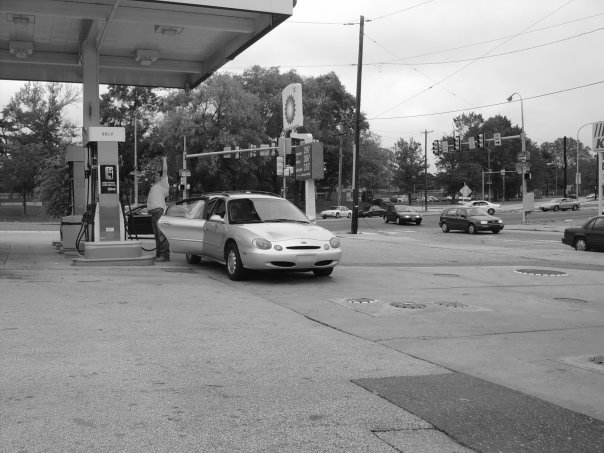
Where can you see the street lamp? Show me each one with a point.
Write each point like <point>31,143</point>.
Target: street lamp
<point>522,138</point>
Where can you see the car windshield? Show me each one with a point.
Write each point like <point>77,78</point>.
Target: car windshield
<point>477,211</point>
<point>333,208</point>
<point>256,210</point>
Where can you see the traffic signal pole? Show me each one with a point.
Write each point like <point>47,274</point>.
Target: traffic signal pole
<point>357,135</point>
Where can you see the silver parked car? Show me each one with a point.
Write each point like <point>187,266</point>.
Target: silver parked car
<point>561,204</point>
<point>337,212</point>
<point>249,231</point>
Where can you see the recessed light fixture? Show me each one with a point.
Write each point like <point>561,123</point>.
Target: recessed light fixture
<point>168,30</point>
<point>146,57</point>
<point>21,49</point>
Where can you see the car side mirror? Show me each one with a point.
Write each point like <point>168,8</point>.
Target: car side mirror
<point>216,218</point>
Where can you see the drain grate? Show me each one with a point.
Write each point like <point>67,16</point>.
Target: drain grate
<point>541,272</point>
<point>362,300</point>
<point>598,359</point>
<point>451,304</point>
<point>407,305</point>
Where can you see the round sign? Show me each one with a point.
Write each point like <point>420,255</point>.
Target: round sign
<point>290,109</point>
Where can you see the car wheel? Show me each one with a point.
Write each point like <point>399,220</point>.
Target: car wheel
<point>386,219</point>
<point>472,228</point>
<point>581,244</point>
<point>556,208</point>
<point>325,272</point>
<point>324,217</point>
<point>233,261</point>
<point>575,207</point>
<point>496,231</point>
<point>349,215</point>
<point>193,259</point>
<point>337,215</point>
<point>444,227</point>
<point>418,222</point>
<point>491,211</point>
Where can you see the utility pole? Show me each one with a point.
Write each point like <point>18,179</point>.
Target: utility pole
<point>565,164</point>
<point>426,132</point>
<point>357,134</point>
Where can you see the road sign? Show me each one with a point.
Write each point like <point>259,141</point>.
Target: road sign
<point>598,136</point>
<point>465,191</point>
<point>184,172</point>
<point>497,138</point>
<point>502,172</point>
<point>471,143</point>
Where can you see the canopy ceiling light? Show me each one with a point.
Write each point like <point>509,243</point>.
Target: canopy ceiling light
<point>146,57</point>
<point>21,49</point>
<point>168,31</point>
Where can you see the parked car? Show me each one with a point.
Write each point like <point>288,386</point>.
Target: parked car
<point>589,236</point>
<point>486,205</point>
<point>249,231</point>
<point>401,213</point>
<point>372,211</point>
<point>337,212</point>
<point>561,204</point>
<point>470,220</point>
<point>138,220</point>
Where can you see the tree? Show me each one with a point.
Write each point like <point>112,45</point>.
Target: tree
<point>19,167</point>
<point>376,163</point>
<point>408,166</point>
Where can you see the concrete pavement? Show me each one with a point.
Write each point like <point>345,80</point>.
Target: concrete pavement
<point>170,358</point>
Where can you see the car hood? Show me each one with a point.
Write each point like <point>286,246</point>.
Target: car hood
<point>274,231</point>
<point>484,217</point>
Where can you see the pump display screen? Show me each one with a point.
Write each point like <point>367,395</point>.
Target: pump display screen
<point>108,178</point>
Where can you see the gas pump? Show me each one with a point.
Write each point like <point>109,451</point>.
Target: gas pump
<point>103,233</point>
<point>103,214</point>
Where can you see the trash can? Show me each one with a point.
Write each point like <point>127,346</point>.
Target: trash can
<point>70,228</point>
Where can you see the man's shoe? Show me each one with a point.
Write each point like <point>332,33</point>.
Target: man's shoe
<point>159,259</point>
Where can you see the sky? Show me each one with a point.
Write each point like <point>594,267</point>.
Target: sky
<point>428,61</point>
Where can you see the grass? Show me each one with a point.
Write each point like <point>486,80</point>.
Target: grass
<point>33,214</point>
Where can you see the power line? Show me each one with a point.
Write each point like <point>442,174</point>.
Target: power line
<point>551,93</point>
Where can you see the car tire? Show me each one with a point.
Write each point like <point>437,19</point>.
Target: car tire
<point>444,227</point>
<point>349,215</point>
<point>556,208</point>
<point>193,259</point>
<point>399,222</point>
<point>472,228</point>
<point>491,211</point>
<point>234,265</point>
<point>496,231</point>
<point>337,215</point>
<point>325,272</point>
<point>386,219</point>
<point>418,222</point>
<point>581,245</point>
<point>324,217</point>
<point>575,207</point>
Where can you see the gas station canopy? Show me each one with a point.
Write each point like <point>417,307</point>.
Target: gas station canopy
<point>161,43</point>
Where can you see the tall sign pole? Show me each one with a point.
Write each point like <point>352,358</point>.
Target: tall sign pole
<point>426,132</point>
<point>357,135</point>
<point>598,147</point>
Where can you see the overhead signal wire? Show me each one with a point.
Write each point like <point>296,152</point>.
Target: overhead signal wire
<point>464,67</point>
<point>551,93</point>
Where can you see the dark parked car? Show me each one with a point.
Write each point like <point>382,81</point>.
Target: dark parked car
<point>470,220</point>
<point>401,213</point>
<point>138,220</point>
<point>589,236</point>
<point>372,211</point>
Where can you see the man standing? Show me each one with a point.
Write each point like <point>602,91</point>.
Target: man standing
<point>156,205</point>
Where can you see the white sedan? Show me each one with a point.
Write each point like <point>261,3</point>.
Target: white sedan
<point>486,205</point>
<point>337,212</point>
<point>249,230</point>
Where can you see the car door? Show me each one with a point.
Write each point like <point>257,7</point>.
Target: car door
<point>595,233</point>
<point>461,219</point>
<point>182,224</point>
<point>214,231</point>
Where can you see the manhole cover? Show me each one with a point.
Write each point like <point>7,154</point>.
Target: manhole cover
<point>451,304</point>
<point>598,359</point>
<point>568,299</point>
<point>541,272</point>
<point>362,300</point>
<point>408,305</point>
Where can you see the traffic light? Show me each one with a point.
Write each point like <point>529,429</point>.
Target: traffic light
<point>527,176</point>
<point>285,146</point>
<point>480,140</point>
<point>435,147</point>
<point>457,145</point>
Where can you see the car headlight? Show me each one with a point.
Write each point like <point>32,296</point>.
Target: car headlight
<point>261,244</point>
<point>483,222</point>
<point>334,242</point>
<point>500,221</point>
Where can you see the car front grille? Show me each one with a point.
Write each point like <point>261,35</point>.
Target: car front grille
<point>303,247</point>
